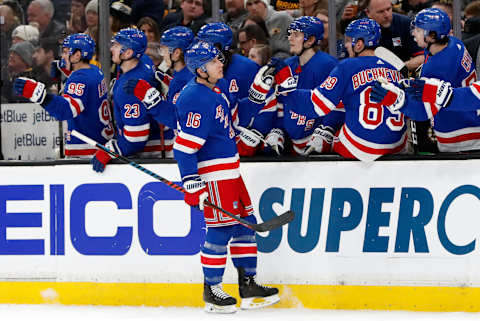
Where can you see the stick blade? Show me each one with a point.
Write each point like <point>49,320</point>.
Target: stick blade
<point>275,223</point>
<point>392,59</point>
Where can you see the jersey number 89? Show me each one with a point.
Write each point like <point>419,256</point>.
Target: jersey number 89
<point>370,114</point>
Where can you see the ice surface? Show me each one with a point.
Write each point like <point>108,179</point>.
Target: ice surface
<point>97,313</point>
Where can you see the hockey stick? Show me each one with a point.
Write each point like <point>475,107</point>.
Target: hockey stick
<point>261,227</point>
<point>396,62</point>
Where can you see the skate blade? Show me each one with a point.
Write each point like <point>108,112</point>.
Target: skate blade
<point>259,302</point>
<point>212,308</point>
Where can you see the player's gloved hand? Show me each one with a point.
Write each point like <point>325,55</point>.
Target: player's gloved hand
<point>284,78</point>
<point>387,94</point>
<point>248,140</point>
<point>195,191</point>
<point>58,68</point>
<point>434,91</point>
<point>274,141</point>
<point>262,83</point>
<point>30,89</point>
<point>164,81</point>
<point>149,95</point>
<point>321,140</point>
<point>101,158</point>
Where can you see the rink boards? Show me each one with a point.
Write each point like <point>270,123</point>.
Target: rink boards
<point>388,235</point>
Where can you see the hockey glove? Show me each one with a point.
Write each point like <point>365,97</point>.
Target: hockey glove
<point>285,81</point>
<point>248,141</point>
<point>143,91</point>
<point>274,141</point>
<point>164,80</point>
<point>31,89</point>
<point>387,94</point>
<point>434,91</point>
<point>321,140</point>
<point>262,83</point>
<point>58,68</point>
<point>101,158</point>
<point>195,191</point>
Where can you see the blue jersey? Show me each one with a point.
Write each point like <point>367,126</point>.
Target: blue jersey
<point>85,106</point>
<point>454,131</point>
<point>205,144</point>
<point>309,76</point>
<point>370,130</point>
<point>138,133</point>
<point>180,79</point>
<point>239,76</point>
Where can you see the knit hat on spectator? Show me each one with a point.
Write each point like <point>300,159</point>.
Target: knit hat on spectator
<point>25,50</point>
<point>266,2</point>
<point>26,33</point>
<point>92,6</point>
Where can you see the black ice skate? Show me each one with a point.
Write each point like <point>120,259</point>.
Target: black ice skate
<point>217,300</point>
<point>254,295</point>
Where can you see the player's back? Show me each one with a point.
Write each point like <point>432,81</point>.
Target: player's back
<point>370,130</point>
<point>89,86</point>
<point>455,131</point>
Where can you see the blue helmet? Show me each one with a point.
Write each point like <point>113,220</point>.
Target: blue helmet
<point>132,38</point>
<point>216,32</point>
<point>310,26</point>
<point>433,19</point>
<point>177,37</point>
<point>199,54</point>
<point>366,29</point>
<point>82,42</point>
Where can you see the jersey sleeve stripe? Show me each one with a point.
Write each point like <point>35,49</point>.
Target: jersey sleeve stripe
<point>475,88</point>
<point>76,105</point>
<point>186,146</point>
<point>321,104</point>
<point>429,98</point>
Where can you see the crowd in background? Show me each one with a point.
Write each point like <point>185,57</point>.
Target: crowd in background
<point>32,31</point>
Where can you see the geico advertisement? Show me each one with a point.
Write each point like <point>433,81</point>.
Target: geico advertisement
<point>400,222</point>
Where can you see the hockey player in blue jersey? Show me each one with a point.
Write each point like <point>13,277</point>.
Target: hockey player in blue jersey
<point>208,161</point>
<point>137,131</point>
<point>310,67</point>
<point>239,71</point>
<point>455,131</point>
<point>369,131</point>
<point>84,102</point>
<point>177,40</point>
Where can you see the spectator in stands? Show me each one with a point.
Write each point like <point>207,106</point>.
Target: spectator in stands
<point>120,15</point>
<point>395,33</point>
<point>472,20</point>
<point>25,33</point>
<point>235,15</point>
<point>9,22</point>
<point>41,12</point>
<point>62,9</point>
<point>255,20</point>
<point>20,62</point>
<point>261,54</point>
<point>148,8</point>
<point>250,36</point>
<point>149,28</point>
<point>312,7</point>
<point>43,56</point>
<point>412,7</point>
<point>192,15</point>
<point>277,23</point>
<point>91,17</point>
<point>77,22</point>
